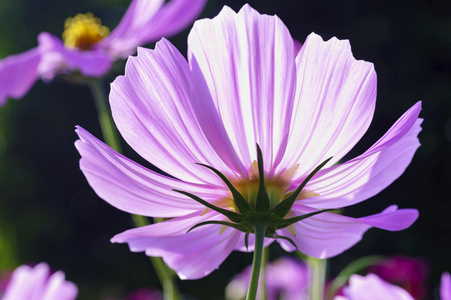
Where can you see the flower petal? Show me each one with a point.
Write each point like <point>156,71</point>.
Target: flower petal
<point>131,187</point>
<point>335,100</point>
<point>146,21</point>
<point>243,83</point>
<point>152,109</point>
<point>56,58</point>
<point>445,286</point>
<point>327,234</point>
<point>193,254</point>
<point>18,73</point>
<point>371,287</point>
<point>371,172</point>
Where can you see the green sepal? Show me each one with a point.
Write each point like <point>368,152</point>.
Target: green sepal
<point>286,239</point>
<point>262,203</point>
<point>246,240</point>
<point>234,217</point>
<point>238,199</point>
<point>288,222</point>
<point>236,226</point>
<point>284,207</point>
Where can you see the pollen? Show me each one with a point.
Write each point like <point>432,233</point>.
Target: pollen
<point>83,31</point>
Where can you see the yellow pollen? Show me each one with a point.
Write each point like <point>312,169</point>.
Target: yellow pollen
<point>83,31</point>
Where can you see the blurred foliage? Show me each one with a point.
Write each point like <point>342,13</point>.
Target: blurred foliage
<point>49,213</point>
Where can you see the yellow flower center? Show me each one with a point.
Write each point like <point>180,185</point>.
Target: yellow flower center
<point>83,31</point>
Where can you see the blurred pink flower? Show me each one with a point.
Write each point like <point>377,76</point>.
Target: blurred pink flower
<point>372,287</point>
<point>445,287</point>
<point>144,294</point>
<point>36,283</point>
<point>89,49</point>
<point>408,273</point>
<point>245,84</point>
<point>286,279</point>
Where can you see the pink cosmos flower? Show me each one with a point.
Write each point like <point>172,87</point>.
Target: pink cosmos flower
<point>371,287</point>
<point>89,48</point>
<point>445,287</point>
<point>286,279</point>
<point>36,283</point>
<point>244,84</point>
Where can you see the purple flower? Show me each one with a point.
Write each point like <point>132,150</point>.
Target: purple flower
<point>88,46</point>
<point>36,283</point>
<point>286,279</point>
<point>445,287</point>
<point>244,84</point>
<point>371,287</point>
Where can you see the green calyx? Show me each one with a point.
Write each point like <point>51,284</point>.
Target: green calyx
<point>248,217</point>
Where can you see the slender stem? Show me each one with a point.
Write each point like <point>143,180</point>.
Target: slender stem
<point>165,275</point>
<point>109,130</point>
<point>317,269</point>
<point>256,264</point>
<point>263,288</point>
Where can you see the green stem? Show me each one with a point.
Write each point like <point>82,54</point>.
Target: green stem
<point>317,269</point>
<point>256,264</point>
<point>109,130</point>
<point>165,275</point>
<point>263,288</point>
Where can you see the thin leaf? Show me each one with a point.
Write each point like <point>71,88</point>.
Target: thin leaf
<point>233,225</point>
<point>262,203</point>
<point>239,200</point>
<point>288,222</point>
<point>246,240</point>
<point>229,214</point>
<point>286,239</point>
<point>284,207</point>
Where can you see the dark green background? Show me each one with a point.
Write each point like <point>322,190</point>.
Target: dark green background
<point>49,213</point>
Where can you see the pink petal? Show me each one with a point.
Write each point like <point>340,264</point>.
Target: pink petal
<point>18,73</point>
<point>37,284</point>
<point>335,99</point>
<point>193,254</point>
<point>146,21</point>
<point>371,287</point>
<point>371,172</point>
<point>133,188</point>
<point>445,286</point>
<point>243,83</point>
<point>56,58</point>
<point>152,108</point>
<point>328,234</point>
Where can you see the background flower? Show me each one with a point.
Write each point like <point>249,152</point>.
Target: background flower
<point>36,283</point>
<point>89,49</point>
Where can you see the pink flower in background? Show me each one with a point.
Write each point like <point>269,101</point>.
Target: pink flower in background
<point>445,287</point>
<point>408,273</point>
<point>88,46</point>
<point>372,287</point>
<point>245,84</point>
<point>36,283</point>
<point>286,279</point>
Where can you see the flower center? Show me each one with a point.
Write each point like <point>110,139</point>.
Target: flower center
<point>277,186</point>
<point>83,31</point>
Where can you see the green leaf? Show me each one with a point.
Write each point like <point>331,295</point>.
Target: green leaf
<point>234,217</point>
<point>288,222</point>
<point>236,226</point>
<point>284,207</point>
<point>286,239</point>
<point>262,203</point>
<point>239,200</point>
<point>246,240</point>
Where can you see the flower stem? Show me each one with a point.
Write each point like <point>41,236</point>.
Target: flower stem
<point>256,264</point>
<point>317,269</point>
<point>263,288</point>
<point>109,130</point>
<point>165,275</point>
